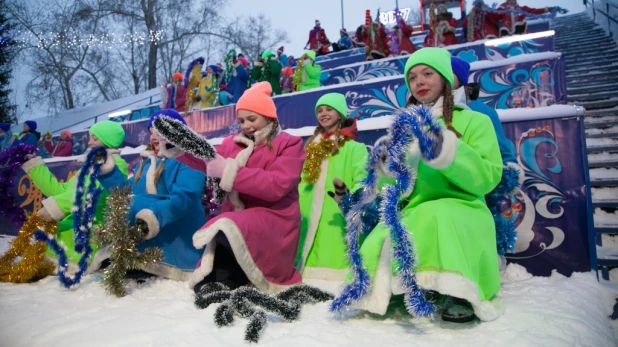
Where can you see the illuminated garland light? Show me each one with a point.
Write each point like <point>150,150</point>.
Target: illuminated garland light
<point>518,38</point>
<point>74,40</point>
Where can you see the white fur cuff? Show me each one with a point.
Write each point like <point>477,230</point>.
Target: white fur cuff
<point>109,164</point>
<point>151,220</point>
<point>32,163</point>
<point>449,150</point>
<point>52,207</point>
<point>229,174</point>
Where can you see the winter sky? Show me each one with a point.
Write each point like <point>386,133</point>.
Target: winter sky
<point>297,18</point>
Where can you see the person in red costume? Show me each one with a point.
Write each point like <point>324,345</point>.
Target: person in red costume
<point>318,41</point>
<point>442,27</point>
<point>176,93</point>
<point>515,23</point>
<point>403,32</point>
<point>480,24</point>
<point>377,42</point>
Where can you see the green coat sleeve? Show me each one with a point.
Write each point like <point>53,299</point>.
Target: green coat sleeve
<point>313,71</point>
<point>44,179</point>
<point>357,160</point>
<point>477,166</point>
<point>256,72</point>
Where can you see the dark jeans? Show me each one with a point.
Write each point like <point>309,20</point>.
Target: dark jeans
<point>226,269</point>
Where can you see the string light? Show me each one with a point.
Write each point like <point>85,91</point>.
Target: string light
<point>72,40</point>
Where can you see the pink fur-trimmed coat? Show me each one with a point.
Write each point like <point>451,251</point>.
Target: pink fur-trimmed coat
<point>261,216</point>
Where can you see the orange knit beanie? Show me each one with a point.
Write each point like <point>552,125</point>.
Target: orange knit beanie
<point>257,99</point>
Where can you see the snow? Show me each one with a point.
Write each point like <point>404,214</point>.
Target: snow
<point>607,253</point>
<point>601,142</point>
<point>553,311</point>
<point>605,218</point>
<point>603,173</point>
<point>602,157</point>
<point>613,129</point>
<point>605,193</point>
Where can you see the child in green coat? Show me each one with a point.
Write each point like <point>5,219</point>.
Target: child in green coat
<point>332,153</point>
<point>61,196</point>
<point>311,72</point>
<point>445,215</point>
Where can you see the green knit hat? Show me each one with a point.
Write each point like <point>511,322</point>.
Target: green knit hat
<point>267,54</point>
<point>437,58</point>
<point>310,54</point>
<point>108,132</point>
<point>334,100</point>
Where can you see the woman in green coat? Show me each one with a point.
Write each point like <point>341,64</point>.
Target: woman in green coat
<point>269,70</point>
<point>445,215</point>
<point>310,72</point>
<point>61,196</point>
<point>332,152</point>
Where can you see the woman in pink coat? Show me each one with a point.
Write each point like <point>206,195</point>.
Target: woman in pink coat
<point>256,236</point>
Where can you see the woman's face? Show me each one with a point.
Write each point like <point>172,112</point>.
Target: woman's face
<point>511,2</point>
<point>94,141</point>
<point>209,71</point>
<point>328,117</point>
<point>63,136</point>
<point>426,84</point>
<point>154,140</point>
<point>441,10</point>
<point>250,122</point>
<point>26,127</point>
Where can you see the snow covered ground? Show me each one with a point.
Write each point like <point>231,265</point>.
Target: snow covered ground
<point>554,311</point>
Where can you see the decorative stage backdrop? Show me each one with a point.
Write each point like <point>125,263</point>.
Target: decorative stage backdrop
<point>471,53</point>
<point>553,212</point>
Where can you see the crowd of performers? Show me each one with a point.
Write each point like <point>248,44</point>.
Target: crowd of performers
<point>291,210</point>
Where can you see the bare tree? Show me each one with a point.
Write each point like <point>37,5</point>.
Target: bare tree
<point>64,65</point>
<point>253,35</point>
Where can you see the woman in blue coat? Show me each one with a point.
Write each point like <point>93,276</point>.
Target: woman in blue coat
<point>29,136</point>
<point>168,201</point>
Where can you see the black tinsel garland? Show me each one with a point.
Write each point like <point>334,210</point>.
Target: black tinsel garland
<point>249,302</point>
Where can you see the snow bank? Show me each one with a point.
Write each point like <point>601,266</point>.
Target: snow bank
<point>554,311</point>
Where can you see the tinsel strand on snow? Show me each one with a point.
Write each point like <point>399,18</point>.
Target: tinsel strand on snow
<point>251,303</point>
<point>506,235</point>
<point>416,123</point>
<point>33,264</point>
<point>84,209</point>
<point>11,161</point>
<point>315,153</point>
<point>121,238</point>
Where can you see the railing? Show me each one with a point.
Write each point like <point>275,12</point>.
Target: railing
<point>105,114</point>
<point>610,18</point>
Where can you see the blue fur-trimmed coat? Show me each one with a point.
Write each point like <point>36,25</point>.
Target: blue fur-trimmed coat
<point>172,210</point>
<point>238,82</point>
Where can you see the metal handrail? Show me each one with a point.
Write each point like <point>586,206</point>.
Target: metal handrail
<point>149,98</point>
<point>610,19</point>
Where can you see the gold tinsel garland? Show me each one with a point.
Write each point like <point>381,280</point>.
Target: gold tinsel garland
<point>33,264</point>
<point>315,153</point>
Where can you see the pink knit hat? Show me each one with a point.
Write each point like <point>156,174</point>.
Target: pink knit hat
<point>257,99</point>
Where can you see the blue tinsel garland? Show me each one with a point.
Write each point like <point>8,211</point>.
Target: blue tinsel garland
<point>506,236</point>
<point>361,281</point>
<point>83,217</point>
<point>416,123</point>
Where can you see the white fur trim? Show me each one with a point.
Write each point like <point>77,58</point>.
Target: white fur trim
<point>261,135</point>
<point>325,273</point>
<point>167,271</point>
<point>316,212</point>
<point>101,254</point>
<point>32,163</point>
<point>522,175</point>
<point>449,150</point>
<point>377,300</point>
<point>459,96</point>
<point>151,220</point>
<point>109,164</point>
<point>54,210</point>
<point>151,187</point>
<point>205,237</point>
<point>258,63</point>
<point>229,175</point>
